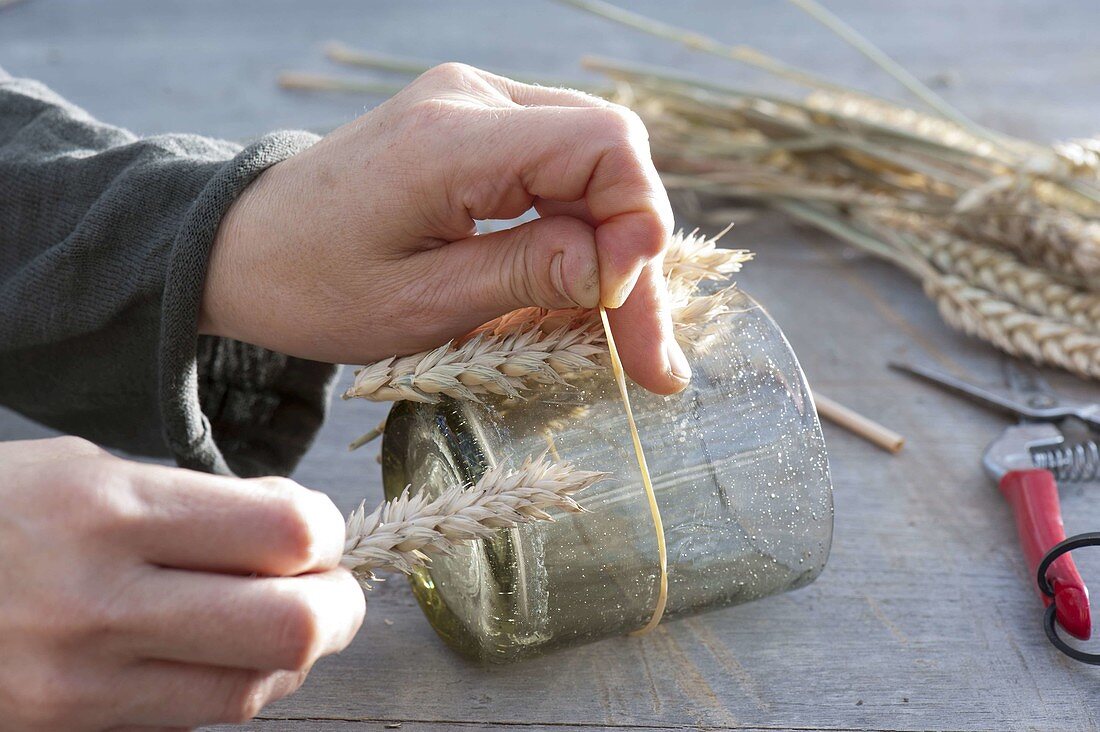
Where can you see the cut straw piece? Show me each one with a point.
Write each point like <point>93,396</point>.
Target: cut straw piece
<point>369,436</point>
<point>342,53</point>
<point>305,81</point>
<point>857,424</point>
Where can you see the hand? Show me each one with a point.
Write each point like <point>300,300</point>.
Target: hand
<point>364,246</point>
<point>127,598</point>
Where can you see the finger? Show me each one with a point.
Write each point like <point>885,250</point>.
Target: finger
<point>596,155</point>
<point>265,623</point>
<point>576,209</point>
<point>443,81</point>
<point>642,328</point>
<point>192,520</point>
<point>530,95</point>
<point>184,695</point>
<point>550,263</point>
<point>511,201</point>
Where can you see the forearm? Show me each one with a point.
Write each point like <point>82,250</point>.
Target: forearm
<point>104,242</point>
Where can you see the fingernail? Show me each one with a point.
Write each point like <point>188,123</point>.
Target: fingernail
<point>583,291</point>
<point>589,289</point>
<point>619,297</point>
<point>677,362</point>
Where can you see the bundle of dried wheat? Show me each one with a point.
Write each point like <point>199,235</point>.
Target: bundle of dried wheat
<point>1003,233</point>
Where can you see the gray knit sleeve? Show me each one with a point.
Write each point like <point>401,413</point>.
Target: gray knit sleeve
<point>104,241</point>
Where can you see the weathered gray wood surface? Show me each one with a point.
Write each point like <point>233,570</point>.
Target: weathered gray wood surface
<point>924,618</point>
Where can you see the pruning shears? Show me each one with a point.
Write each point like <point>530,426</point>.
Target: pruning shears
<point>1026,460</point>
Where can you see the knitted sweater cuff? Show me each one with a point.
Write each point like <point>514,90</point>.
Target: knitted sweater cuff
<point>227,406</point>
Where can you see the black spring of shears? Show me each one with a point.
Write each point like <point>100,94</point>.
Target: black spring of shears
<point>1091,538</point>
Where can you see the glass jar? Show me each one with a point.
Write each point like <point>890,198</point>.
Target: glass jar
<point>739,471</point>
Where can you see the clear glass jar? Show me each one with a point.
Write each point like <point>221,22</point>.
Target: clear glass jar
<point>739,470</point>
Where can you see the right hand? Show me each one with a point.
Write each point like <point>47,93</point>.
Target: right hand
<point>136,595</point>
<point>372,230</point>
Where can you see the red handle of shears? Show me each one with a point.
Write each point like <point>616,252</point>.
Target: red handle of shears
<point>1033,495</point>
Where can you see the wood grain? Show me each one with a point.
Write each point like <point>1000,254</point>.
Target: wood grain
<point>924,617</point>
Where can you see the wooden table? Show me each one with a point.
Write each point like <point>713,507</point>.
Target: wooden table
<point>924,617</point>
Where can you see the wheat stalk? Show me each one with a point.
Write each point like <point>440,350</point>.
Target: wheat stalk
<point>397,534</point>
<point>691,258</point>
<point>533,346</point>
<point>884,117</point>
<point>305,81</point>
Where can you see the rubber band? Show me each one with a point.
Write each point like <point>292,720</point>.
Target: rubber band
<point>655,512</point>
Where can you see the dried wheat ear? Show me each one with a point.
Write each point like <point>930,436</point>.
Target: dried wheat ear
<point>518,351</point>
<point>399,534</point>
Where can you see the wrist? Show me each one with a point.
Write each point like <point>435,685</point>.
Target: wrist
<point>227,273</point>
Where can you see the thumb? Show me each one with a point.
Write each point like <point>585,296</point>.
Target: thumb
<point>549,263</point>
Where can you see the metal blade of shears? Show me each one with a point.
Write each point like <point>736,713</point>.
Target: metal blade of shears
<point>1028,388</point>
<point>1028,396</point>
<point>988,397</point>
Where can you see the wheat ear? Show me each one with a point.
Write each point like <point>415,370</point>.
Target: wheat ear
<point>867,111</point>
<point>396,535</point>
<point>1081,157</point>
<point>534,346</point>
<point>1012,329</point>
<point>1004,275</point>
<point>692,257</point>
<point>1063,241</point>
<point>488,363</point>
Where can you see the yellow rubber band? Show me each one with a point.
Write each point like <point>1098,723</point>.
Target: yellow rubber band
<point>655,512</point>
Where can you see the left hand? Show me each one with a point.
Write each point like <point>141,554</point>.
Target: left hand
<point>137,594</point>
